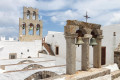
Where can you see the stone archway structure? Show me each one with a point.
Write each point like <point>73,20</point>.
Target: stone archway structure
<point>70,34</point>
<point>41,75</point>
<point>25,61</point>
<point>33,66</point>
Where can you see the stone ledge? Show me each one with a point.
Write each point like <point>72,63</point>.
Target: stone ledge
<point>87,75</point>
<point>115,74</point>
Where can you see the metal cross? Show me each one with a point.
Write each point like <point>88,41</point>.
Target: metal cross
<point>86,16</point>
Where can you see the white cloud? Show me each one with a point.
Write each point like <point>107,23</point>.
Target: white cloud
<point>115,19</point>
<point>54,19</point>
<point>100,11</point>
<point>9,31</point>
<point>62,23</point>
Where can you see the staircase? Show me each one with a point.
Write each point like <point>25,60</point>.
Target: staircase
<point>48,48</point>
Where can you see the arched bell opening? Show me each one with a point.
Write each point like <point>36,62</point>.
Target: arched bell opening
<point>31,29</point>
<point>37,29</point>
<point>34,15</point>
<point>80,35</point>
<point>93,39</point>
<point>28,14</point>
<point>23,28</point>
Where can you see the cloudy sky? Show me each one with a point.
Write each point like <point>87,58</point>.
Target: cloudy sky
<point>55,13</point>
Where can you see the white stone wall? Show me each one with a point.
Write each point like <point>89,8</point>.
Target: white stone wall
<point>18,47</point>
<point>108,41</point>
<point>59,40</point>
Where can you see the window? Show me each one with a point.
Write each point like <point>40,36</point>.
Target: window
<point>12,56</point>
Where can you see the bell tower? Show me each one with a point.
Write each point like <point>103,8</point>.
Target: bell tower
<point>30,27</point>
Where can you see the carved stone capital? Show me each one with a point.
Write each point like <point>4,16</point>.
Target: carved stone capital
<point>87,36</point>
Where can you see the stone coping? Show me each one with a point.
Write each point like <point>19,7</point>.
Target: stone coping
<point>115,74</point>
<point>28,63</point>
<point>36,69</point>
<point>86,75</point>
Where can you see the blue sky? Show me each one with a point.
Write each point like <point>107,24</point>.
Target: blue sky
<point>55,13</point>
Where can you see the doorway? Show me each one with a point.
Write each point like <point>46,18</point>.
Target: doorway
<point>103,55</point>
<point>57,50</point>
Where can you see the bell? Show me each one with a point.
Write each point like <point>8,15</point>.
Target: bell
<point>30,28</point>
<point>79,41</point>
<point>93,42</point>
<point>37,28</point>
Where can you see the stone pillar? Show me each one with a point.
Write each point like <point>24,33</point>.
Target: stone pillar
<point>24,15</point>
<point>20,28</point>
<point>70,55</point>
<point>40,31</point>
<point>26,30</point>
<point>31,15</point>
<point>36,17</point>
<point>97,54</point>
<point>34,29</point>
<point>85,54</point>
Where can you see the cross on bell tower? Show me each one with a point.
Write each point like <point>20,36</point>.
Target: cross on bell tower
<point>86,16</point>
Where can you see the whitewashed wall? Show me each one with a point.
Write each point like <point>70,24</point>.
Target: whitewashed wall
<point>18,47</point>
<point>59,40</point>
<point>107,41</point>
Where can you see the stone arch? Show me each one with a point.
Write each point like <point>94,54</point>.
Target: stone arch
<point>25,61</point>
<point>23,28</point>
<point>28,14</point>
<point>41,75</point>
<point>83,30</point>
<point>38,29</point>
<point>34,15</point>
<point>31,29</point>
<point>33,66</point>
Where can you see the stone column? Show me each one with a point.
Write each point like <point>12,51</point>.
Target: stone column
<point>36,16</point>
<point>34,29</point>
<point>26,30</point>
<point>97,54</point>
<point>40,30</point>
<point>24,15</point>
<point>20,28</point>
<point>31,15</point>
<point>70,55</point>
<point>85,54</point>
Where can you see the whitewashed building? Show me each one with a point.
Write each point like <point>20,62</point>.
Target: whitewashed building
<point>15,49</point>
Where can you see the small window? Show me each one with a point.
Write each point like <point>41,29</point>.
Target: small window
<point>27,50</point>
<point>52,35</point>
<point>12,56</point>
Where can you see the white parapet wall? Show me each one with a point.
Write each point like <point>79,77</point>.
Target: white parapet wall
<point>27,48</point>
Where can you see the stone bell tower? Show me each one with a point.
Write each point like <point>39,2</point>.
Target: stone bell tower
<point>30,27</point>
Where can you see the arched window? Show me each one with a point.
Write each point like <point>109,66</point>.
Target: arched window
<point>37,29</point>
<point>28,14</point>
<point>23,28</point>
<point>34,15</point>
<point>31,28</point>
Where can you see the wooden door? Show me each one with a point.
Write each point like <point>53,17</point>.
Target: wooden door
<point>103,55</point>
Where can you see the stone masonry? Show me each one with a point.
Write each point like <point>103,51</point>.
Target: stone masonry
<point>87,31</point>
<point>26,22</point>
